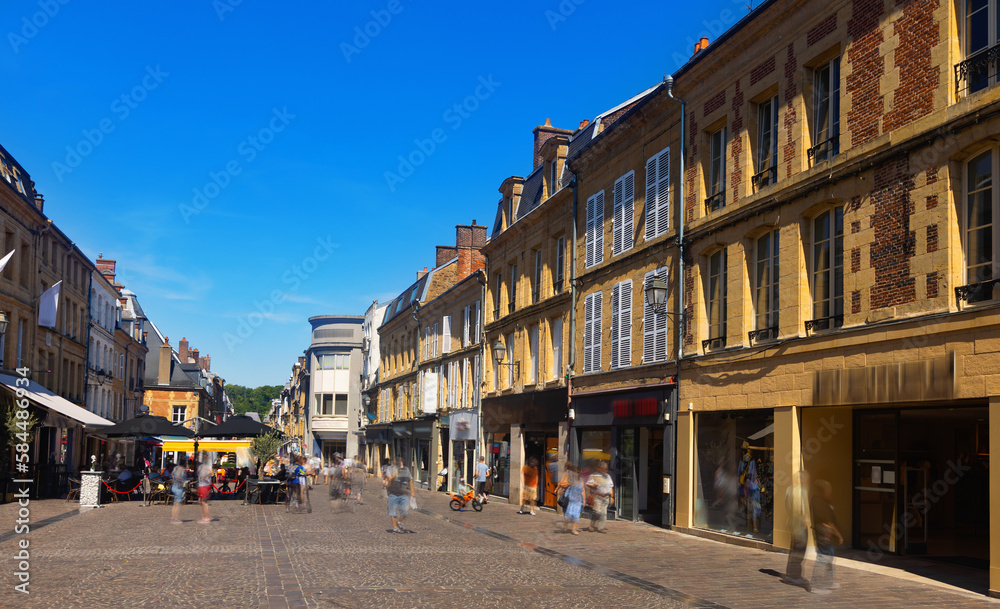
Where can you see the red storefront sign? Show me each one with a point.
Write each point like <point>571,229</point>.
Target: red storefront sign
<point>643,407</point>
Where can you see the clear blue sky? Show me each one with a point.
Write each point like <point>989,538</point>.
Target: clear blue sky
<point>123,112</point>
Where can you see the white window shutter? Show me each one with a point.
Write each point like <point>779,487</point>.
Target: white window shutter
<point>427,342</point>
<point>588,325</point>
<point>615,326</point>
<point>628,210</point>
<point>625,324</point>
<point>649,321</point>
<point>590,232</point>
<point>651,201</point>
<point>475,336</point>
<point>598,330</point>
<point>434,344</point>
<point>663,193</point>
<point>617,223</point>
<point>660,342</point>
<point>599,228</point>
<point>446,334</point>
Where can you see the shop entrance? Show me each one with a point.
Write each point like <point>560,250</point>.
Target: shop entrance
<point>921,483</point>
<point>545,448</point>
<point>640,487</point>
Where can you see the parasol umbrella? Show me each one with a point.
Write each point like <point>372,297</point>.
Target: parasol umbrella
<point>240,426</point>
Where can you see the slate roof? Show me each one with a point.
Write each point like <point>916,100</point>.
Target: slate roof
<point>417,292</point>
<point>531,194</point>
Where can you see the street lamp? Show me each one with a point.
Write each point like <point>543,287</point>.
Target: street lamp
<point>3,323</point>
<point>499,352</point>
<point>656,294</point>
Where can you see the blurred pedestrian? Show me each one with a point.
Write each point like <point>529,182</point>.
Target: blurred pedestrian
<point>529,486</point>
<point>828,536</point>
<point>358,475</point>
<point>204,488</point>
<point>572,486</point>
<point>400,488</point>
<point>178,476</point>
<point>482,471</point>
<point>602,489</point>
<point>797,508</point>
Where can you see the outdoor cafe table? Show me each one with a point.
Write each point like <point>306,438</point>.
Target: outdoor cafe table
<point>268,490</point>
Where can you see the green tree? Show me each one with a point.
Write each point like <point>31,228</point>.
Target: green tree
<point>265,446</point>
<point>255,399</point>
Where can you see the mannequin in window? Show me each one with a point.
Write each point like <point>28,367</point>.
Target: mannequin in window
<point>750,488</point>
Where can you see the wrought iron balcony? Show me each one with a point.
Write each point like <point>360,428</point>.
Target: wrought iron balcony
<point>978,292</point>
<point>824,323</point>
<point>715,202</point>
<point>765,178</point>
<point>976,72</point>
<point>713,344</point>
<point>825,150</point>
<point>763,335</point>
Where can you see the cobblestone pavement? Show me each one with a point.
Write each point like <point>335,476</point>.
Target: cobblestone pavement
<point>125,555</point>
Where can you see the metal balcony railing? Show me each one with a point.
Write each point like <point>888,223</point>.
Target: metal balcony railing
<point>824,323</point>
<point>715,202</point>
<point>977,72</point>
<point>765,178</point>
<point>762,335</point>
<point>713,344</point>
<point>978,292</point>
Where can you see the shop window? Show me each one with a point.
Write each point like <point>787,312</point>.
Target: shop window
<point>735,486</point>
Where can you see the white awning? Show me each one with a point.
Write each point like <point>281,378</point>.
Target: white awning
<point>55,404</point>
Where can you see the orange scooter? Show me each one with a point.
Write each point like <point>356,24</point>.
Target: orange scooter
<point>459,500</point>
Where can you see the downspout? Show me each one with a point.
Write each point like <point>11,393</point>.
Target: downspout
<point>571,366</point>
<point>669,80</point>
<point>480,438</point>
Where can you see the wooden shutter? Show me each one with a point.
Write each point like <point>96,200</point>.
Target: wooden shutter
<point>625,324</point>
<point>465,327</point>
<point>434,345</point>
<point>599,227</point>
<point>617,223</point>
<point>615,325</point>
<point>596,332</point>
<point>651,201</point>
<point>590,232</point>
<point>475,336</point>
<point>446,334</point>
<point>663,192</point>
<point>648,323</point>
<point>628,210</point>
<point>588,325</point>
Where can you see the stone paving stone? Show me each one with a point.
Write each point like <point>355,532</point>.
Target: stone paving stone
<point>128,556</point>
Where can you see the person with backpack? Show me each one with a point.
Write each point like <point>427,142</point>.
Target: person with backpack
<point>400,488</point>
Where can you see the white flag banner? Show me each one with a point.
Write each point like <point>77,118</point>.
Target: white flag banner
<point>48,306</point>
<point>430,392</point>
<point>6,259</point>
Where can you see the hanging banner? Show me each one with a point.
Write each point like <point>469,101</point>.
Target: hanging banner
<point>430,392</point>
<point>463,425</point>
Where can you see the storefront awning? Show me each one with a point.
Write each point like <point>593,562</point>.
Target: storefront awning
<point>213,445</point>
<point>54,404</point>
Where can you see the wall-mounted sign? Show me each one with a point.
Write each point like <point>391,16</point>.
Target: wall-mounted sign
<point>889,383</point>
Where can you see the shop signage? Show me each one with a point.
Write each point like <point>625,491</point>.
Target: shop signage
<point>889,383</point>
<point>642,407</point>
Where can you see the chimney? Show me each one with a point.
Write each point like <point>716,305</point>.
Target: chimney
<point>469,240</point>
<point>182,350</point>
<point>544,133</point>
<point>444,254</point>
<point>163,373</point>
<point>39,201</point>
<point>421,273</point>
<point>701,45</point>
<point>194,355</point>
<point>205,363</point>
<point>106,267</point>
<point>584,124</point>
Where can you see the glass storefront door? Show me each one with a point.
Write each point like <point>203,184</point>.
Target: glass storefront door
<point>875,482</point>
<point>628,459</point>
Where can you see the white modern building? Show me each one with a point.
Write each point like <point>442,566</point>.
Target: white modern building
<point>334,359</point>
<point>104,317</point>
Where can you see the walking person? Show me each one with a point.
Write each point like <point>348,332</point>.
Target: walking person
<point>529,486</point>
<point>482,471</point>
<point>400,488</point>
<point>797,507</point>
<point>204,488</point>
<point>358,475</point>
<point>572,486</point>
<point>828,536</point>
<point>602,489</point>
<point>178,476</point>
<point>301,471</point>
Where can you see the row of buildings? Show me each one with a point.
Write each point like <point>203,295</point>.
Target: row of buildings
<point>782,257</point>
<point>92,356</point>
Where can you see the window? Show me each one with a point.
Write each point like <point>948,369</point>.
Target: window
<point>766,161</point>
<point>556,330</point>
<point>324,403</point>
<point>979,235</point>
<point>654,324</point>
<point>427,343</point>
<point>765,288</point>
<point>513,288</point>
<point>510,210</point>
<point>828,269</point>
<point>510,359</point>
<point>826,111</point>
<point>621,324</point>
<point>446,334</point>
<point>496,296</point>
<point>334,361</point>
<point>552,177</point>
<point>716,301</point>
<point>533,341</point>
<point>595,229</point>
<point>658,194</point>
<point>559,272</point>
<point>536,281</point>
<point>465,326</point>
<point>982,29</point>
<point>178,415</point>
<point>624,211</point>
<point>478,314</point>
<point>716,171</point>
<point>340,405</point>
<point>434,342</point>
<point>592,332</point>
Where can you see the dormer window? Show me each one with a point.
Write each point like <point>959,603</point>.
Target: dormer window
<point>552,177</point>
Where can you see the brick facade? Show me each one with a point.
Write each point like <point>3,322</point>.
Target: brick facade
<point>894,243</point>
<point>867,67</point>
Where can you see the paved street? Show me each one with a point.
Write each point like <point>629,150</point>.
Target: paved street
<point>125,555</point>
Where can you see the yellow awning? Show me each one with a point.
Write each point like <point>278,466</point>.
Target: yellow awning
<point>213,445</point>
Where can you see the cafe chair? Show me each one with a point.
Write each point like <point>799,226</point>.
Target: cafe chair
<point>74,492</point>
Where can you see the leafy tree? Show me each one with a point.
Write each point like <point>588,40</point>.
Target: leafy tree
<point>255,399</point>
<point>265,446</point>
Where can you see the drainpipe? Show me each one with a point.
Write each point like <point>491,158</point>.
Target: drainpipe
<point>669,80</point>
<point>571,366</point>
<point>480,438</point>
